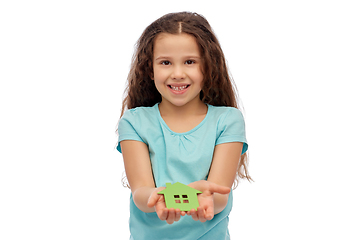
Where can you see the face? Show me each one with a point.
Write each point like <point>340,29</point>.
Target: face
<point>177,69</point>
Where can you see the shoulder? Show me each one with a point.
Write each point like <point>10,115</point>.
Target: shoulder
<point>138,118</point>
<point>222,113</point>
<point>230,125</point>
<point>139,114</point>
<point>137,123</point>
<point>227,119</point>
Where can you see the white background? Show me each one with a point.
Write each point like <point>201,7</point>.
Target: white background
<point>63,66</point>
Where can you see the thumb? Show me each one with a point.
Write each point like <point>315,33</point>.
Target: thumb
<point>153,200</point>
<point>154,197</point>
<point>216,188</point>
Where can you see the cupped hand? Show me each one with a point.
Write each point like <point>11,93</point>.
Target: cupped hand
<point>158,201</point>
<point>205,211</point>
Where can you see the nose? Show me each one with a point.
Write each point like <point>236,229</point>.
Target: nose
<point>178,73</point>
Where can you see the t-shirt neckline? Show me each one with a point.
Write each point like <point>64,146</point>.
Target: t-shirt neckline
<point>183,133</point>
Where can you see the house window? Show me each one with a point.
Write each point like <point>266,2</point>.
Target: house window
<point>183,199</point>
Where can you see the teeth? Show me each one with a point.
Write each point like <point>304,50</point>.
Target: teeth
<point>178,88</point>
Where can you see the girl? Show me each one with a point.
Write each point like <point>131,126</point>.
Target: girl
<point>182,125</point>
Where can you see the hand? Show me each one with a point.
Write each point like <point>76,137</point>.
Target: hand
<point>158,201</point>
<point>205,211</point>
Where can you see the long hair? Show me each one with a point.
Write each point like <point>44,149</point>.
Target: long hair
<point>218,88</point>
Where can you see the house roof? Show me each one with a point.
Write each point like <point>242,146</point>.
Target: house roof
<point>177,188</point>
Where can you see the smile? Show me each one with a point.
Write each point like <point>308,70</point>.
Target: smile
<point>178,88</point>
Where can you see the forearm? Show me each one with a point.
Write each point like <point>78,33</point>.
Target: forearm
<point>220,202</point>
<point>141,198</point>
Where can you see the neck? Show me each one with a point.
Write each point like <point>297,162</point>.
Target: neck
<point>195,108</point>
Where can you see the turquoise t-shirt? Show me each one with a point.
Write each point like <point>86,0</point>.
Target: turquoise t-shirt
<point>180,157</point>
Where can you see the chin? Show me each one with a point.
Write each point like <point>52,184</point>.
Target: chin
<point>181,102</point>
<point>178,104</point>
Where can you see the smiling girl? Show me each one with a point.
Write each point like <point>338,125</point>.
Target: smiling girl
<point>180,124</point>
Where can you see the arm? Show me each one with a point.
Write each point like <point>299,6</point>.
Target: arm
<point>223,169</point>
<point>139,173</point>
<point>222,172</point>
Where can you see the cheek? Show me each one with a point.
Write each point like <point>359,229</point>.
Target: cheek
<point>159,81</point>
<point>159,75</point>
<point>200,78</point>
<point>200,74</point>
<point>159,87</point>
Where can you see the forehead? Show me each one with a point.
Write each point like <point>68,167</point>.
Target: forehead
<point>177,44</point>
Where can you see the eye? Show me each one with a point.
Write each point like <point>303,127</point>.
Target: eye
<point>165,62</point>
<point>189,62</point>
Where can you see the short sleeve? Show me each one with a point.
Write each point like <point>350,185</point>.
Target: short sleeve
<point>126,129</point>
<point>231,128</point>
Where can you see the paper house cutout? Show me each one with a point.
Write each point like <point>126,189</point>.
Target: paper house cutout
<point>180,196</point>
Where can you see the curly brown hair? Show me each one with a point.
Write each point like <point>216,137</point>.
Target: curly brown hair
<point>218,88</point>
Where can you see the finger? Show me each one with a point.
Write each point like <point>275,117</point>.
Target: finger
<point>163,215</point>
<point>194,215</point>
<point>171,216</point>
<point>154,198</point>
<point>183,213</point>
<point>216,188</point>
<point>177,215</point>
<point>209,213</point>
<point>201,214</point>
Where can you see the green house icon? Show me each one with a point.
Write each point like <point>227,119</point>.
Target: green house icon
<point>180,196</point>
